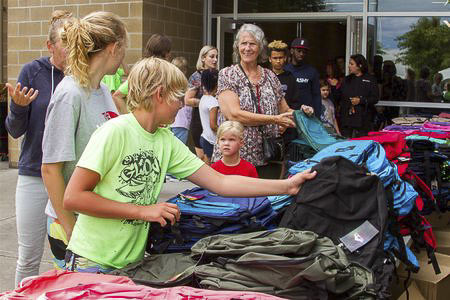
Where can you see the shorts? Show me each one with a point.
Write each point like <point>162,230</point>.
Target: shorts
<point>181,133</point>
<point>207,147</point>
<point>76,263</point>
<point>196,127</point>
<point>58,242</point>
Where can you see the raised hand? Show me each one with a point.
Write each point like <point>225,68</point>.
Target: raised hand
<point>21,97</point>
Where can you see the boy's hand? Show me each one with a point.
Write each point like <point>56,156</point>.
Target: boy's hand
<point>20,96</point>
<point>160,213</point>
<point>296,181</point>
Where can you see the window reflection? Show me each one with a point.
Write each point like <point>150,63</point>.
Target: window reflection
<point>265,6</point>
<point>407,54</point>
<point>409,5</point>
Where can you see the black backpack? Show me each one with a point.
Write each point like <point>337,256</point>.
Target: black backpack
<point>348,204</point>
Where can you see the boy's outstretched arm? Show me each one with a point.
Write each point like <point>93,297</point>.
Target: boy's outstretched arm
<point>79,196</point>
<point>241,186</point>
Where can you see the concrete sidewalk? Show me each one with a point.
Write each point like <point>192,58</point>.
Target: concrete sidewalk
<point>8,233</point>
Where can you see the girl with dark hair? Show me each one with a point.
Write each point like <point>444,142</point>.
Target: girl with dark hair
<point>208,109</point>
<point>358,96</point>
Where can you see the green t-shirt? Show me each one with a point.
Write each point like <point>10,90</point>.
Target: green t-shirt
<point>132,164</point>
<point>114,81</point>
<point>123,88</point>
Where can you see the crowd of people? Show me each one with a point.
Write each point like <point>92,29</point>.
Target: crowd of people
<point>99,140</point>
<point>92,163</point>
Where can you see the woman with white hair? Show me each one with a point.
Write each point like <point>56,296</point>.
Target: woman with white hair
<point>252,95</point>
<point>207,59</point>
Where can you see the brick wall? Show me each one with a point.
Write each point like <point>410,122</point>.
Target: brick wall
<point>27,29</point>
<point>181,20</point>
<point>28,22</point>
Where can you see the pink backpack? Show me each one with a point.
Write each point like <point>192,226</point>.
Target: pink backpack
<point>56,285</point>
<point>442,126</point>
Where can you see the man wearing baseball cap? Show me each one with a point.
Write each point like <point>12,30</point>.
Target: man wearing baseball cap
<point>306,76</point>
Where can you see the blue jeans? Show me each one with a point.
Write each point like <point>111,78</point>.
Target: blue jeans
<point>181,133</point>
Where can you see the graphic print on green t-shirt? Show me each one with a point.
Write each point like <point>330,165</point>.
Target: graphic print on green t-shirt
<point>139,178</point>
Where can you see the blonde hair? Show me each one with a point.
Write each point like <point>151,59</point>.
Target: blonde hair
<point>181,63</point>
<point>57,21</point>
<point>147,76</point>
<point>234,127</point>
<point>278,45</point>
<point>200,66</point>
<point>85,37</point>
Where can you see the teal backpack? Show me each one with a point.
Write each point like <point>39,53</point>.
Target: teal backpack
<point>312,131</point>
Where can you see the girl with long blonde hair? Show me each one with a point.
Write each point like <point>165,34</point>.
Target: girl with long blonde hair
<point>95,47</point>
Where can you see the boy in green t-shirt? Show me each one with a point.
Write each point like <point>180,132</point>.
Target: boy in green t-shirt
<point>117,181</point>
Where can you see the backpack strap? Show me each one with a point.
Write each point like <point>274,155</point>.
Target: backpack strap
<point>394,227</point>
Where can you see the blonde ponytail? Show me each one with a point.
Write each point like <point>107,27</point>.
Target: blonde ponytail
<point>85,37</point>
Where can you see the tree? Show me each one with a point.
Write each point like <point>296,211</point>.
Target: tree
<point>379,48</point>
<point>426,44</point>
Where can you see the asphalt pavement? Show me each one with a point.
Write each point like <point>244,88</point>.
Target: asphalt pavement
<point>8,233</point>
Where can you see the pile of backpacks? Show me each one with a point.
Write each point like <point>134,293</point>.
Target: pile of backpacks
<point>338,238</point>
<point>428,144</point>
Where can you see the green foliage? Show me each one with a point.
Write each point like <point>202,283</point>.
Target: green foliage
<point>426,44</point>
<point>379,49</point>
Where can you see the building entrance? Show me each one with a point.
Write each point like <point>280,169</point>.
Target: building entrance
<point>328,38</point>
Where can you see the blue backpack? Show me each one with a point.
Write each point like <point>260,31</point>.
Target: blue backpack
<point>311,130</point>
<point>204,213</point>
<point>372,155</point>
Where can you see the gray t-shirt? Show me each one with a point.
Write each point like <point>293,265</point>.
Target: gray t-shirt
<point>73,114</point>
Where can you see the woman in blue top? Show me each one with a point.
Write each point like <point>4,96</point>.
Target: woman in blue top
<point>29,100</point>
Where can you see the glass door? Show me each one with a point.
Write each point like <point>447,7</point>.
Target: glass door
<point>226,28</point>
<point>354,37</point>
<point>329,37</point>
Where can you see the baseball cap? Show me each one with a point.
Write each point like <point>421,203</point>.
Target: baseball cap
<point>300,43</point>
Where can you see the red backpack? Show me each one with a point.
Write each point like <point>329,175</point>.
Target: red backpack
<point>394,143</point>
